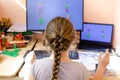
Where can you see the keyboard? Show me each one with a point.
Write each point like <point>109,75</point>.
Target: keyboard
<point>44,53</point>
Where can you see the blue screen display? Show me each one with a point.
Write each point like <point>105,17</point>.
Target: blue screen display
<point>40,12</point>
<point>97,32</point>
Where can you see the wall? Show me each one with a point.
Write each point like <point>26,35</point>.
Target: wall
<point>117,24</point>
<point>24,2</point>
<point>0,11</point>
<point>94,11</point>
<point>100,11</point>
<point>9,8</point>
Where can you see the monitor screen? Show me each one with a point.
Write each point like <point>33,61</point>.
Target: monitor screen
<point>40,12</point>
<point>95,32</point>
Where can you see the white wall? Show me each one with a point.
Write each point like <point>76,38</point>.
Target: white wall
<point>100,11</point>
<point>9,8</point>
<point>117,24</point>
<point>0,10</point>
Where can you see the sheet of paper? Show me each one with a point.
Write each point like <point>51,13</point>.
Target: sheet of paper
<point>16,27</point>
<point>114,65</point>
<point>90,59</point>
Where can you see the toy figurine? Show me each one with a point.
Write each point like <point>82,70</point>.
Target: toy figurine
<point>3,41</point>
<point>18,37</point>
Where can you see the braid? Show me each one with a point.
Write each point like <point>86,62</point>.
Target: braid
<point>56,65</point>
<point>57,57</point>
<point>58,44</point>
<point>59,38</point>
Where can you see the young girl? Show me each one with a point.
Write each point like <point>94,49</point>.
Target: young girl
<point>60,34</point>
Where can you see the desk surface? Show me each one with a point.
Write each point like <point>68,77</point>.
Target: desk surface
<point>9,66</point>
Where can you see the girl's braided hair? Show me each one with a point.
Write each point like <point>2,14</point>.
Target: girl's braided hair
<point>59,33</point>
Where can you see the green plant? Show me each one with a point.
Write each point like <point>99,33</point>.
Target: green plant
<point>5,23</point>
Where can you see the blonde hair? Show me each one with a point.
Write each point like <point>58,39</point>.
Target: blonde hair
<point>59,33</point>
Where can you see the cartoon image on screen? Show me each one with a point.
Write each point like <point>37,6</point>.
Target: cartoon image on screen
<point>88,32</point>
<point>103,34</point>
<point>67,11</point>
<point>40,8</point>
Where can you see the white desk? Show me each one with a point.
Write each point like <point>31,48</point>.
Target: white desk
<point>113,69</point>
<point>9,66</point>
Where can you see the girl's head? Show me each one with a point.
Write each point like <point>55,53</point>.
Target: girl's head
<point>60,34</point>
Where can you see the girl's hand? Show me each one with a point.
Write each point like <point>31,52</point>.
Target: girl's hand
<point>103,60</point>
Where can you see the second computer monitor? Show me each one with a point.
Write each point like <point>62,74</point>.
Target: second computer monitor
<point>97,33</point>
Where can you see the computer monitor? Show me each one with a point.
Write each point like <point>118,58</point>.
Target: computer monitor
<point>97,34</point>
<point>40,12</point>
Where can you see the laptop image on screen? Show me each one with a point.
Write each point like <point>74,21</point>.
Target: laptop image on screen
<point>96,36</point>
